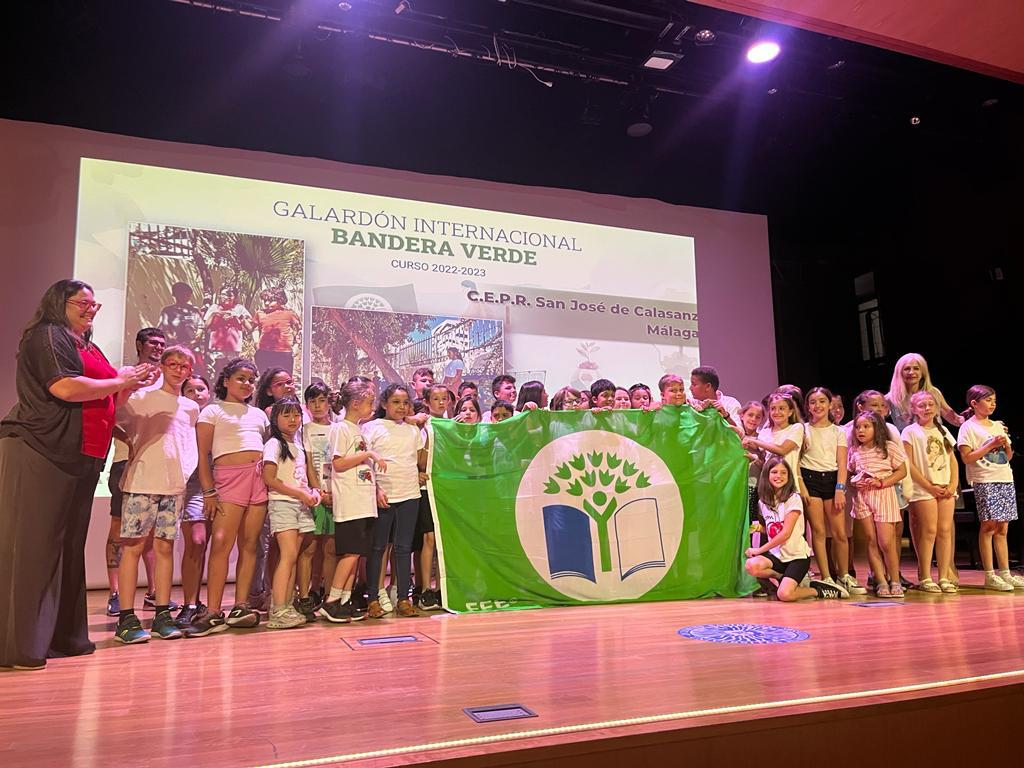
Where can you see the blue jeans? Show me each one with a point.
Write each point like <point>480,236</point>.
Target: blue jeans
<point>399,518</point>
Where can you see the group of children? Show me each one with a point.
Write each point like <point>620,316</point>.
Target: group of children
<point>331,489</point>
<point>812,481</point>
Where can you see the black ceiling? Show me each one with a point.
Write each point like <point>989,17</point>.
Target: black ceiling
<point>523,91</point>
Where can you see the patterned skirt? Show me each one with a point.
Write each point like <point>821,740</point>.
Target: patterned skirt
<point>996,502</point>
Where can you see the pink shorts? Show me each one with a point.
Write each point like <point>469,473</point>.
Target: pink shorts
<point>240,484</point>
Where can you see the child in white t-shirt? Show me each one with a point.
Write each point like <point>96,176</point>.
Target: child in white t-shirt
<point>316,442</point>
<point>986,450</point>
<point>823,477</point>
<point>160,426</point>
<point>786,556</point>
<point>234,495</point>
<point>286,472</point>
<point>933,469</point>
<point>398,492</point>
<point>353,499</point>
<point>783,435</point>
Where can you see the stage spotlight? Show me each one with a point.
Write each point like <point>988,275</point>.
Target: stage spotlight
<point>662,59</point>
<point>402,7</point>
<point>772,91</point>
<point>704,37</point>
<point>345,6</point>
<point>915,120</point>
<point>762,52</point>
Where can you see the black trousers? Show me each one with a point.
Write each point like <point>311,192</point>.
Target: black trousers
<point>44,520</point>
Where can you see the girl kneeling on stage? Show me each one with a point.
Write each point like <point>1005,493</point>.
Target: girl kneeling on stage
<point>786,555</point>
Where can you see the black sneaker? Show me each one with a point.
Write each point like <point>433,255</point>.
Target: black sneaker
<point>336,612</point>
<point>206,624</point>
<point>360,602</point>
<point>114,604</point>
<point>317,598</point>
<point>825,590</point>
<point>242,617</point>
<point>306,607</point>
<point>149,603</point>
<point>129,631</point>
<point>186,615</point>
<point>430,600</point>
<point>164,627</point>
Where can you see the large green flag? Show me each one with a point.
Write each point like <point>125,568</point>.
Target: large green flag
<point>571,507</point>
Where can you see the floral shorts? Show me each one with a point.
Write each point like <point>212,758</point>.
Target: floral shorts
<point>145,512</point>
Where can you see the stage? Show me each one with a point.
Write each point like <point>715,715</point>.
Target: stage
<point>931,677</point>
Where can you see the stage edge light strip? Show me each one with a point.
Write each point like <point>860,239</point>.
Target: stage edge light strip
<point>646,720</point>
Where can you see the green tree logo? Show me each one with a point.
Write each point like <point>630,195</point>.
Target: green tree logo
<point>598,489</point>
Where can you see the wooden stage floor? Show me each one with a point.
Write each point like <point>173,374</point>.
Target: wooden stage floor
<point>592,674</point>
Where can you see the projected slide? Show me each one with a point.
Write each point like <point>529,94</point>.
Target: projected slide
<point>272,271</point>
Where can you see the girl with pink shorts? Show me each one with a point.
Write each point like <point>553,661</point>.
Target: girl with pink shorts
<point>234,494</point>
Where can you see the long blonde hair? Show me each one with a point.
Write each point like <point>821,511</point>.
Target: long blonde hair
<point>899,397</point>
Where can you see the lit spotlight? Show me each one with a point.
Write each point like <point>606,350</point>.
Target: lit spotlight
<point>345,6</point>
<point>704,37</point>
<point>915,120</point>
<point>762,52</point>
<point>772,91</point>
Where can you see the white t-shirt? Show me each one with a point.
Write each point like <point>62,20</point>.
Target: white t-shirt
<point>928,452</point>
<point>236,427</point>
<point>354,492</point>
<point>732,407</point>
<point>120,447</point>
<point>793,432</point>
<point>162,428</point>
<point>993,467</point>
<point>397,443</point>
<point>796,546</point>
<point>316,441</point>
<point>291,472</point>
<point>821,447</point>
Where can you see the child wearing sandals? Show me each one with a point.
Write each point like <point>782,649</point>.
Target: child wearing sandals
<point>986,450</point>
<point>933,468</point>
<point>786,556</point>
<point>289,478</point>
<point>876,464</point>
<point>235,497</point>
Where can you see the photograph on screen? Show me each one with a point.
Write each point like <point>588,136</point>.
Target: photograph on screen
<point>391,346</point>
<point>220,294</point>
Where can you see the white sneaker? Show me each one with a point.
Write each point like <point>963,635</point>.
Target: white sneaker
<point>385,601</point>
<point>995,581</point>
<point>285,618</point>
<point>1012,579</point>
<point>851,585</point>
<point>840,586</point>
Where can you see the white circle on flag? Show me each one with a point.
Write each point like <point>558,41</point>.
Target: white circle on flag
<point>578,480</point>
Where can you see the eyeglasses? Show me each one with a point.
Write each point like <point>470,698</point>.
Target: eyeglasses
<point>178,366</point>
<point>85,305</point>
